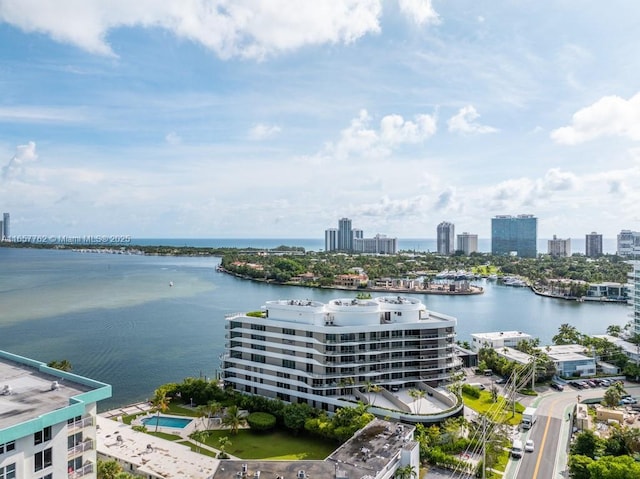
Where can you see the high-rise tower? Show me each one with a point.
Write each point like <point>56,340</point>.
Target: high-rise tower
<point>5,233</point>
<point>446,238</point>
<point>517,235</point>
<point>345,235</point>
<point>593,245</point>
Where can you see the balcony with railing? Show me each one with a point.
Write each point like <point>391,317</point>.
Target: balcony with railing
<point>81,424</point>
<point>83,471</point>
<point>79,448</point>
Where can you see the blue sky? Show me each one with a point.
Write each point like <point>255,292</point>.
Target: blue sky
<point>252,118</point>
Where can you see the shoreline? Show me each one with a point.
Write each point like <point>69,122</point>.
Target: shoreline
<point>433,289</point>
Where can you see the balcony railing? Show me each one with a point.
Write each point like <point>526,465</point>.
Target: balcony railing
<point>80,448</point>
<point>81,424</point>
<point>81,472</point>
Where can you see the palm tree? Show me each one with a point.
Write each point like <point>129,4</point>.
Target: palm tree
<point>63,365</point>
<point>372,390</point>
<point>209,410</point>
<point>406,472</point>
<point>108,469</point>
<point>223,443</point>
<point>200,437</point>
<point>160,404</point>
<point>416,395</point>
<point>233,419</point>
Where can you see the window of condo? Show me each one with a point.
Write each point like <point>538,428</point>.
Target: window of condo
<point>8,471</point>
<point>258,327</point>
<point>46,476</point>
<point>43,459</point>
<point>288,363</point>
<point>289,331</point>
<point>42,436</point>
<point>7,446</point>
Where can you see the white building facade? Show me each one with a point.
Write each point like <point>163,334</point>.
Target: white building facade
<point>379,244</point>
<point>467,243</point>
<point>322,354</point>
<point>50,429</point>
<point>629,244</point>
<point>559,247</point>
<point>498,339</point>
<point>634,295</point>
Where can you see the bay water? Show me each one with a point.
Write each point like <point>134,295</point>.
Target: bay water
<point>136,322</point>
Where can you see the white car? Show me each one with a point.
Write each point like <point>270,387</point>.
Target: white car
<point>529,446</point>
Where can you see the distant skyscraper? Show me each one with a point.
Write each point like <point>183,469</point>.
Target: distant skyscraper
<point>467,243</point>
<point>593,245</point>
<point>517,235</point>
<point>331,239</point>
<point>6,233</point>
<point>446,238</point>
<point>345,235</point>
<point>629,244</point>
<point>559,247</point>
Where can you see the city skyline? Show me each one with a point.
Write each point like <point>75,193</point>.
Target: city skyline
<point>207,121</point>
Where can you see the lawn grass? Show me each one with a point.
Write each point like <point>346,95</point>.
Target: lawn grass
<point>484,404</point>
<point>200,450</point>
<point>164,435</point>
<point>272,445</point>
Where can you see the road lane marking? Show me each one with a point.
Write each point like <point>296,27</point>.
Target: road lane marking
<point>544,439</point>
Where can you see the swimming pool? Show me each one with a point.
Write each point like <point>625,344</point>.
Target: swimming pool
<point>166,421</point>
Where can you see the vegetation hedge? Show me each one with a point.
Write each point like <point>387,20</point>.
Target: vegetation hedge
<point>261,421</point>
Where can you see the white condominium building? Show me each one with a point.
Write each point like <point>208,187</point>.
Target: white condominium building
<point>629,244</point>
<point>47,421</point>
<point>329,355</point>
<point>634,292</point>
<point>498,339</point>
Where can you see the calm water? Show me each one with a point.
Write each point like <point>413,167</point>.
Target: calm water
<point>117,320</point>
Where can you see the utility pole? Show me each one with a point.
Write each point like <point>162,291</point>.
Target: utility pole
<point>533,375</point>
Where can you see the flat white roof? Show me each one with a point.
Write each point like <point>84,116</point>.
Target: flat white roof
<point>567,352</point>
<point>501,335</point>
<point>151,454</point>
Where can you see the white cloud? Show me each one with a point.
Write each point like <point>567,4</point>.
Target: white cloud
<point>420,11</point>
<point>394,129</point>
<point>263,132</point>
<point>25,154</point>
<point>246,28</point>
<point>609,116</point>
<point>464,122</point>
<point>361,139</point>
<point>173,138</point>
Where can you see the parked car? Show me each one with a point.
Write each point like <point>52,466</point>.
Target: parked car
<point>501,380</point>
<point>557,386</point>
<point>605,383</point>
<point>592,384</point>
<point>628,400</point>
<point>516,449</point>
<point>529,446</point>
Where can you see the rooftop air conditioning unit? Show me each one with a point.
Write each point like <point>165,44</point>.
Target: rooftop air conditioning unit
<point>6,391</point>
<point>55,385</point>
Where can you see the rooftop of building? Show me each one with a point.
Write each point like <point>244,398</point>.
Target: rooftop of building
<point>501,335</point>
<point>152,455</point>
<point>365,455</point>
<point>566,352</point>
<point>29,389</point>
<point>514,355</point>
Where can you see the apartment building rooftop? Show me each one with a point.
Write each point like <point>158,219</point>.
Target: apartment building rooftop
<point>151,456</point>
<point>372,451</point>
<point>30,389</point>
